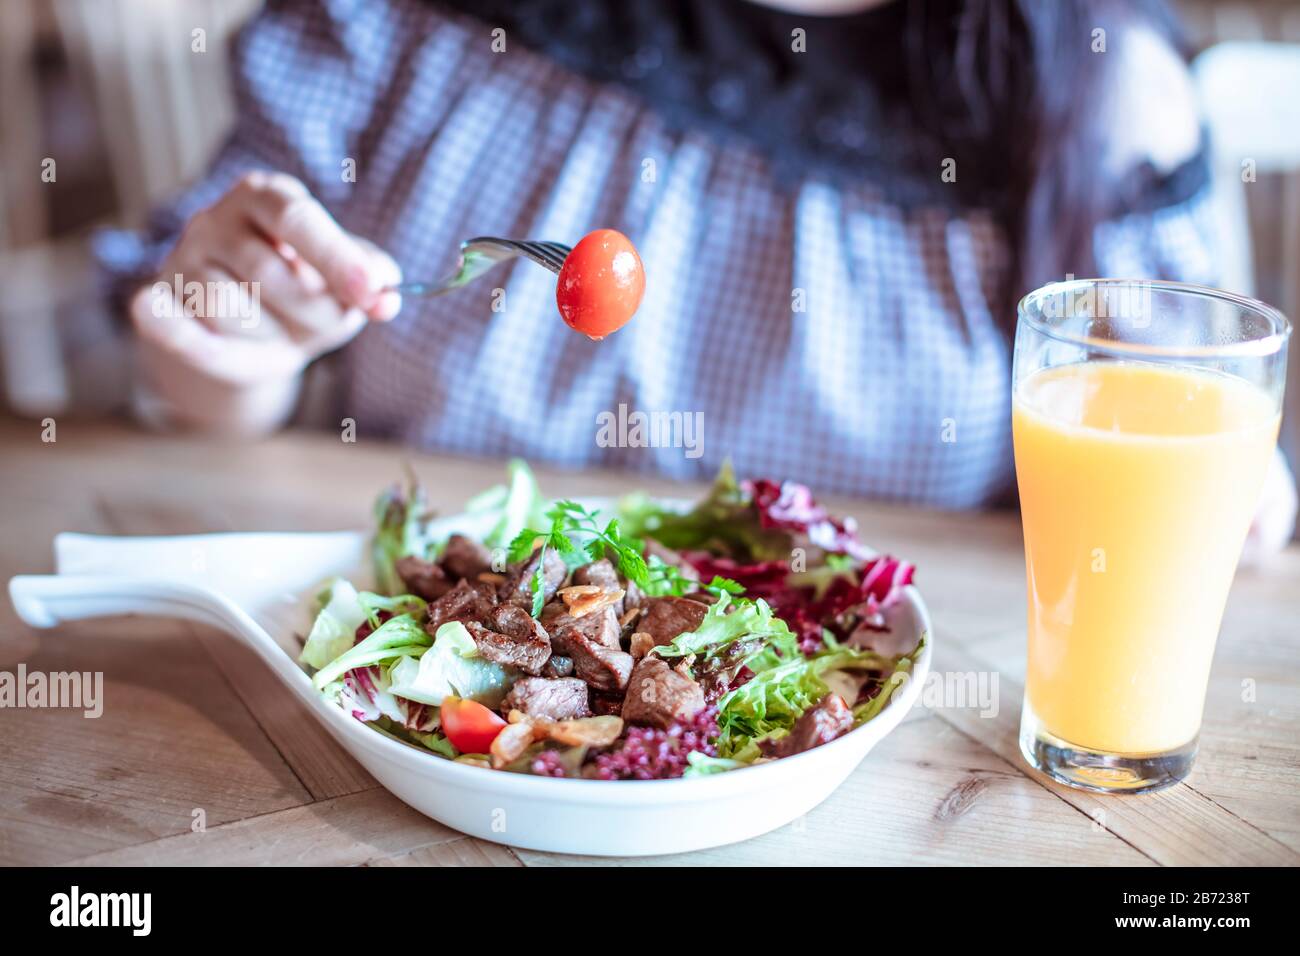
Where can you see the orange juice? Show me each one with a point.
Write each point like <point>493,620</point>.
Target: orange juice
<point>1137,487</point>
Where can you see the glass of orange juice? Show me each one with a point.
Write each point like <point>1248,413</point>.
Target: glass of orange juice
<point>1144,417</point>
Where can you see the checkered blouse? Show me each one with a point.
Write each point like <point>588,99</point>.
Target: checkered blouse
<point>823,334</point>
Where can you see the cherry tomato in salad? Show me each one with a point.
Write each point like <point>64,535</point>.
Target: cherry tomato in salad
<point>469,725</point>
<point>601,284</point>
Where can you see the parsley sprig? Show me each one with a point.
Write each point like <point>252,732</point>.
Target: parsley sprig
<point>577,536</point>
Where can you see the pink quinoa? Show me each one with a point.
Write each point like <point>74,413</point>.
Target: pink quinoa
<point>548,764</point>
<point>647,753</point>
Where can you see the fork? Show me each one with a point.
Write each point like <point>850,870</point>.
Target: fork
<point>480,254</point>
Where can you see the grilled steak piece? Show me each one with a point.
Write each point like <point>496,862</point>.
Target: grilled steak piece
<point>422,577</point>
<point>465,558</point>
<point>658,696</point>
<point>514,621</point>
<point>606,703</point>
<point>819,725</point>
<point>599,628</point>
<point>561,698</point>
<point>604,668</point>
<point>527,656</point>
<point>512,638</point>
<point>558,666</point>
<point>602,575</point>
<point>467,601</point>
<point>517,587</point>
<point>704,597</point>
<point>666,617</point>
<point>592,642</point>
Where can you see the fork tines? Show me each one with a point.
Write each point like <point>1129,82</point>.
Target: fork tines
<point>550,254</point>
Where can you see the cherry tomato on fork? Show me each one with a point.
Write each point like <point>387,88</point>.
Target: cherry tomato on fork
<point>469,725</point>
<point>601,284</point>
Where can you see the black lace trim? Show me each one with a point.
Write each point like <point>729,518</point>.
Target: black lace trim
<point>1146,189</point>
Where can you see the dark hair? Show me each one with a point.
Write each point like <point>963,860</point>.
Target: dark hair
<point>1018,83</point>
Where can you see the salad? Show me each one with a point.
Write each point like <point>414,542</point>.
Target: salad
<point>646,644</point>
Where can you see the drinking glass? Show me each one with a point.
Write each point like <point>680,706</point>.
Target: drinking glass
<point>1144,418</point>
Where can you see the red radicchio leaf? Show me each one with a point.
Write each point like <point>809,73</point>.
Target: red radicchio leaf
<point>845,605</point>
<point>767,580</point>
<point>790,506</point>
<point>885,577</point>
<point>363,690</point>
<point>364,630</point>
<point>360,685</point>
<point>881,581</point>
<point>759,579</point>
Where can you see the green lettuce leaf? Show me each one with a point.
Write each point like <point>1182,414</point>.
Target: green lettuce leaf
<point>432,740</point>
<point>729,620</point>
<point>901,675</point>
<point>780,691</point>
<point>722,523</point>
<point>702,765</point>
<point>401,528</point>
<point>400,636</point>
<point>785,682</point>
<point>771,700</point>
<point>397,604</point>
<point>516,505</point>
<point>335,628</point>
<point>452,667</point>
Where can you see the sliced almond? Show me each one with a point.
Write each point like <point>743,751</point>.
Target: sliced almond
<point>575,591</point>
<point>491,577</point>
<point>641,644</point>
<point>591,731</point>
<point>474,760</point>
<point>629,616</point>
<point>511,743</point>
<point>590,603</point>
<point>539,724</point>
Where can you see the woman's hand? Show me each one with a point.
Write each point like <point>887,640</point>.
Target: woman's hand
<point>258,285</point>
<point>1275,515</point>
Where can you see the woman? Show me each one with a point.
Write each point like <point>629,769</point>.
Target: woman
<point>837,203</point>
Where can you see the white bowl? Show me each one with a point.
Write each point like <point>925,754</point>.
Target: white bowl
<point>261,588</point>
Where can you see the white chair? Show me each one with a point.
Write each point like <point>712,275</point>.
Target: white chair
<point>163,108</point>
<point>1250,93</point>
<point>27,339</point>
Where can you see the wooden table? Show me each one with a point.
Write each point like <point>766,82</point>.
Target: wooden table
<point>200,757</point>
